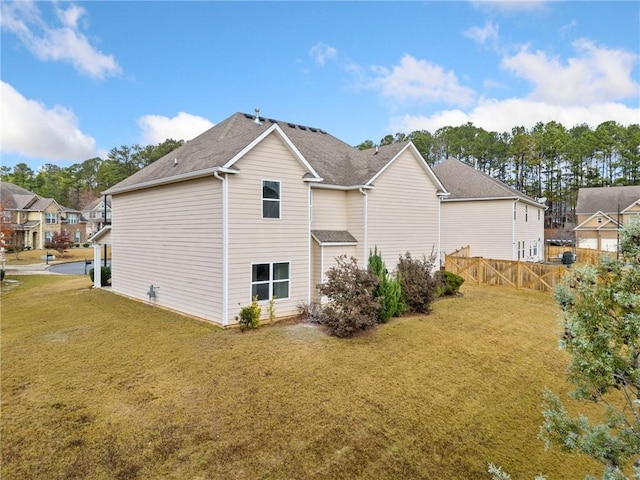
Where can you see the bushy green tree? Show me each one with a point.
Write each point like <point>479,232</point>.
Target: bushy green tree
<point>388,291</point>
<point>601,331</point>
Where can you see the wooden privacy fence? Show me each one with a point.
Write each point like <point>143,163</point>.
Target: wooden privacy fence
<point>583,255</point>
<point>532,276</point>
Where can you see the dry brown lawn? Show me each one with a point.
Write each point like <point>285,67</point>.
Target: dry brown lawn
<point>95,386</point>
<point>27,257</point>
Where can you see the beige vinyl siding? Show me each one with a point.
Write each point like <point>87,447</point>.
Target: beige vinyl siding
<point>355,222</point>
<point>486,226</point>
<point>253,239</point>
<point>171,237</point>
<point>316,270</point>
<point>529,231</point>
<point>324,258</point>
<point>403,212</point>
<point>329,210</point>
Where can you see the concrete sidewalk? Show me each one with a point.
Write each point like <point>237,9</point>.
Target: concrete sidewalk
<point>32,269</point>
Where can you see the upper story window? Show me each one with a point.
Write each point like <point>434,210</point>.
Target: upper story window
<point>270,199</point>
<point>72,218</point>
<point>51,217</point>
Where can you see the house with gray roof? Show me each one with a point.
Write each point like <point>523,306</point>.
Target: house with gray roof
<point>261,207</point>
<point>601,211</point>
<point>35,219</point>
<point>490,217</point>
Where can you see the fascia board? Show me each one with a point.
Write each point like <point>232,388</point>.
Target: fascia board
<point>168,180</point>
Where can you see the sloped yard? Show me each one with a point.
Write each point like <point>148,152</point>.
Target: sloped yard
<point>97,387</point>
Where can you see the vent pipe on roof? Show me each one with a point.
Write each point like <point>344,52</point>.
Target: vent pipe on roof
<point>257,120</point>
<point>376,150</point>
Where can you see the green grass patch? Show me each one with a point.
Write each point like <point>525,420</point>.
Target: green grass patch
<point>95,386</point>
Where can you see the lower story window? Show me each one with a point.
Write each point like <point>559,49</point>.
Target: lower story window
<point>270,280</point>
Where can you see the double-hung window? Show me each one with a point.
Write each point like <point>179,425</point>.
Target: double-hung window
<point>50,217</point>
<point>270,280</point>
<point>270,199</point>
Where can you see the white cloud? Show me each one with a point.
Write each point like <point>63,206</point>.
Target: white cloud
<point>595,75</point>
<point>322,52</point>
<point>503,115</point>
<point>510,6</point>
<point>64,43</point>
<point>483,35</point>
<point>31,129</point>
<point>419,80</point>
<point>184,126</point>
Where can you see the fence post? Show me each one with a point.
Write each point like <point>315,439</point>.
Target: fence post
<point>479,271</point>
<point>518,273</point>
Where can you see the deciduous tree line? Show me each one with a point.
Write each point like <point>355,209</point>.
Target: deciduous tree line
<point>547,160</point>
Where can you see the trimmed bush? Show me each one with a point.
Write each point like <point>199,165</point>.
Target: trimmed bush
<point>105,275</point>
<point>388,291</point>
<point>249,317</point>
<point>353,305</point>
<point>418,283</point>
<point>448,283</point>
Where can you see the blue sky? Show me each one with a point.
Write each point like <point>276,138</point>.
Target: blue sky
<point>80,78</point>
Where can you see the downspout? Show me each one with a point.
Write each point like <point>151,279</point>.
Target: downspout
<point>440,258</point>
<point>310,219</point>
<point>225,250</point>
<point>365,226</point>
<point>514,255</point>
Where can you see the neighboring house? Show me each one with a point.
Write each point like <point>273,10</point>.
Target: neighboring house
<point>94,213</point>
<point>493,219</point>
<point>35,219</point>
<point>74,223</point>
<point>601,211</point>
<point>258,207</point>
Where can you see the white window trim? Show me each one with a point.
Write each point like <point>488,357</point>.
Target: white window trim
<point>270,281</point>
<point>279,200</point>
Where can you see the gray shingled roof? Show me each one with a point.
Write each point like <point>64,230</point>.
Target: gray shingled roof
<point>606,199</point>
<point>336,162</point>
<point>333,236</point>
<point>463,181</point>
<point>14,197</point>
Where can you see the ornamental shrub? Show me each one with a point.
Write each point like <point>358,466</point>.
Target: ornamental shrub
<point>388,291</point>
<point>249,317</point>
<point>352,305</point>
<point>417,281</point>
<point>105,275</point>
<point>448,283</point>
